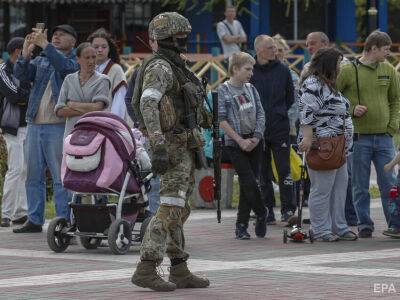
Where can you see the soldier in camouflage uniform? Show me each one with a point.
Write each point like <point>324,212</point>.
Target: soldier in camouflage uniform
<point>160,106</point>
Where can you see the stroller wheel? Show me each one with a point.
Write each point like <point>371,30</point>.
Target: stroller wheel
<point>311,236</point>
<point>89,242</point>
<point>120,236</point>
<point>285,236</point>
<point>57,238</point>
<point>144,226</point>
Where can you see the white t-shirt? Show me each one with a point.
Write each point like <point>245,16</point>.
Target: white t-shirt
<point>45,113</point>
<point>235,28</point>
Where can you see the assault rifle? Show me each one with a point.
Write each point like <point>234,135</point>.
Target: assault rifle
<point>217,148</point>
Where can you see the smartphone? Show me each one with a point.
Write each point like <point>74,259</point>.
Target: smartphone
<point>40,26</point>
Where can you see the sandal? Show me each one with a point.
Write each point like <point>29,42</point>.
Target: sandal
<point>329,237</point>
<point>348,236</point>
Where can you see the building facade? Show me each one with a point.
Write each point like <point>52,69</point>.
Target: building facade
<point>127,19</point>
<point>340,19</point>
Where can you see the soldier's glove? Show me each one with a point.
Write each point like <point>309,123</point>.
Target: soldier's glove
<point>159,160</point>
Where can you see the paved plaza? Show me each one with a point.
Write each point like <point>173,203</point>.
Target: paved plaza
<point>255,269</point>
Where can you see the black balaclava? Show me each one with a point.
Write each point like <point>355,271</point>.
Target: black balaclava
<point>174,43</point>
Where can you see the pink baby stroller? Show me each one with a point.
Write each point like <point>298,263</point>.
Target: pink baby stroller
<point>99,161</point>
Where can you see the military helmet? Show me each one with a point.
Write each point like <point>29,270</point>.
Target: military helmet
<point>168,24</point>
<point>151,31</point>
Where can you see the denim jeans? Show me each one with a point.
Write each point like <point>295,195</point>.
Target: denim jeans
<point>376,148</point>
<point>44,148</point>
<point>350,212</point>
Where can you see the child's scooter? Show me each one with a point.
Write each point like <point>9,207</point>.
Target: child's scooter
<point>395,190</point>
<point>297,233</point>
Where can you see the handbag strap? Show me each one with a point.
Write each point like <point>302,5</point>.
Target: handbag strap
<point>227,27</point>
<point>357,84</point>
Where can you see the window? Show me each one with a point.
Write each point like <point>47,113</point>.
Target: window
<point>87,18</point>
<point>15,17</point>
<point>393,16</point>
<point>2,27</point>
<point>137,19</point>
<point>17,20</point>
<point>311,18</point>
<point>137,14</point>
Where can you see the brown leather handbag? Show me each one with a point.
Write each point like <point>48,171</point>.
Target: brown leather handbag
<point>327,153</point>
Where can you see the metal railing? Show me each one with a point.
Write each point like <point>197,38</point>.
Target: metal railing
<point>215,67</point>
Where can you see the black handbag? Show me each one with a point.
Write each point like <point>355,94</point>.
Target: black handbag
<point>10,115</point>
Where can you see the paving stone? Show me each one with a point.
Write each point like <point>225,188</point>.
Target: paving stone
<point>255,269</point>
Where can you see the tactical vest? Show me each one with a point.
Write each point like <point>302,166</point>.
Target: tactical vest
<point>171,105</point>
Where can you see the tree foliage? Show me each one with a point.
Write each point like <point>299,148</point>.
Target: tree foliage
<point>208,5</point>
<point>362,12</point>
<point>289,4</point>
<point>394,3</point>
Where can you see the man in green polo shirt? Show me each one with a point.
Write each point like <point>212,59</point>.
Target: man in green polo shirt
<point>371,84</point>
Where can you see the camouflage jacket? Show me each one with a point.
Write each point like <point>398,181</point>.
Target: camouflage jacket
<point>161,105</point>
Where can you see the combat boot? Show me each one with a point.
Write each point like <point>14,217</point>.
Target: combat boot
<point>146,276</point>
<point>183,278</point>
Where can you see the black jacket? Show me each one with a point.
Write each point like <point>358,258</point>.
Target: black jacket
<point>275,86</point>
<point>16,95</point>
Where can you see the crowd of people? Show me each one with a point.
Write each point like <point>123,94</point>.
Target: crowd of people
<point>264,108</point>
<point>44,96</point>
<point>333,96</point>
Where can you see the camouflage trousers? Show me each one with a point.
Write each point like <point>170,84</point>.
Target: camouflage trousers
<point>165,231</point>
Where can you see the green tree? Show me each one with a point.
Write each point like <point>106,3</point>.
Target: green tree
<point>208,5</point>
<point>362,16</point>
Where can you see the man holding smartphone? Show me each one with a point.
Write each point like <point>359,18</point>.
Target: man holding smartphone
<point>44,140</point>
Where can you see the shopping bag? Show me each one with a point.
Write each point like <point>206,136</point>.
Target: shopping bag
<point>295,166</point>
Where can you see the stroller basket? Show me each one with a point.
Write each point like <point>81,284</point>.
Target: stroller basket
<point>98,217</point>
<point>93,218</point>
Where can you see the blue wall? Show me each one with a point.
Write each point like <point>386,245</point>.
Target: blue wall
<point>202,24</point>
<point>253,25</point>
<point>382,6</point>
<point>345,21</point>
<point>259,23</point>
<point>341,20</point>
